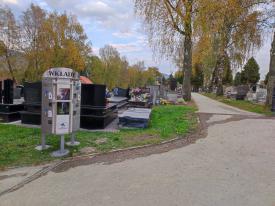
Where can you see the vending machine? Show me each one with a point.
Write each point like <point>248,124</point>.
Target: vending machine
<point>60,112</point>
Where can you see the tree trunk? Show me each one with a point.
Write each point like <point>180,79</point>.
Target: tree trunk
<point>271,79</point>
<point>9,66</point>
<point>187,56</point>
<point>187,62</point>
<point>220,71</point>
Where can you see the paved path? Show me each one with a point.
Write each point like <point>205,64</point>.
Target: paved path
<point>233,166</point>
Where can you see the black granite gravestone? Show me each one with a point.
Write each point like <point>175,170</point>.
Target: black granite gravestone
<point>8,91</point>
<point>241,92</point>
<point>32,103</point>
<point>8,110</point>
<point>95,112</point>
<point>0,92</point>
<point>173,84</point>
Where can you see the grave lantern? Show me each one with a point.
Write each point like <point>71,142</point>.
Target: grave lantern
<point>60,112</point>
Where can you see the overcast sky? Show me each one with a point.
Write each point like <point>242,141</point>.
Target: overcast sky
<point>113,22</point>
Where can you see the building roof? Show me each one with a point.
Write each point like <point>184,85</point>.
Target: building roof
<point>85,80</point>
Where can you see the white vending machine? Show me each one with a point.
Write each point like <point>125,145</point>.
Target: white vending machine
<point>61,99</point>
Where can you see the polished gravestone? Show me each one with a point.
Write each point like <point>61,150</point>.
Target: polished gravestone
<point>96,113</point>
<point>120,97</point>
<point>135,117</point>
<point>32,103</point>
<point>9,109</point>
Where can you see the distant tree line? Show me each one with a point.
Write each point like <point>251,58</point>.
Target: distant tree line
<point>38,40</point>
<point>114,70</point>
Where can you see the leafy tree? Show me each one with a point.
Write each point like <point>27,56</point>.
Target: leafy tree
<point>33,43</point>
<point>169,23</point>
<point>68,45</point>
<point>9,40</point>
<point>250,73</point>
<point>232,27</point>
<point>227,76</point>
<point>237,80</point>
<point>179,76</point>
<point>197,77</point>
<point>50,40</point>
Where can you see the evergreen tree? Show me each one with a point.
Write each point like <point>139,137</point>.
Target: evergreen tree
<point>250,73</point>
<point>237,80</point>
<point>227,73</point>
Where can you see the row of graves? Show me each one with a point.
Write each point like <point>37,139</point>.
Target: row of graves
<point>99,108</point>
<point>61,104</point>
<point>256,93</point>
<point>23,105</point>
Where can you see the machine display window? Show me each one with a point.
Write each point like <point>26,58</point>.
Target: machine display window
<point>63,108</point>
<point>63,94</point>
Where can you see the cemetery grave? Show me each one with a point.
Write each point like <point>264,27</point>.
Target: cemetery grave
<point>140,97</point>
<point>120,97</point>
<point>96,112</point>
<point>135,117</point>
<point>31,115</point>
<point>10,101</point>
<point>242,104</point>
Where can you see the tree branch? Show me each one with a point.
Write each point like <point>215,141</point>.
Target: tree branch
<point>169,6</point>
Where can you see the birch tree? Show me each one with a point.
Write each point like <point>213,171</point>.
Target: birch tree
<point>168,24</point>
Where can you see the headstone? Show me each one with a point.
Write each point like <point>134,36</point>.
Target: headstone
<point>260,95</point>
<point>119,92</point>
<point>154,93</point>
<point>1,93</point>
<point>32,103</point>
<point>251,96</point>
<point>173,84</point>
<point>95,112</point>
<point>9,109</point>
<point>135,117</point>
<point>242,92</point>
<point>93,95</point>
<point>8,91</point>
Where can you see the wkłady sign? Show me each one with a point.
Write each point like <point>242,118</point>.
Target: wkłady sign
<point>61,72</point>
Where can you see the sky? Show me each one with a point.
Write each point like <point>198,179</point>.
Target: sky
<point>114,22</point>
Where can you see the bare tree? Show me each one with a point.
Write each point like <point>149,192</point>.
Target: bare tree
<point>168,24</point>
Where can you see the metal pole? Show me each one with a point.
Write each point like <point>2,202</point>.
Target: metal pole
<point>43,141</point>
<point>43,145</point>
<point>72,138</point>
<point>73,142</point>
<point>62,144</point>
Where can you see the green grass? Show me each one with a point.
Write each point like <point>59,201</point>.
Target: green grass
<point>242,104</point>
<point>17,143</point>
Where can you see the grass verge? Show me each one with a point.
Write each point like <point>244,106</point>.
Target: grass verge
<point>17,143</point>
<point>242,104</point>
